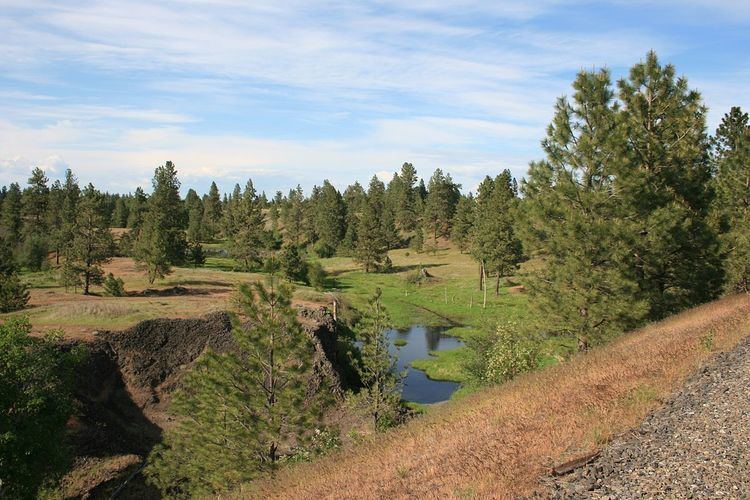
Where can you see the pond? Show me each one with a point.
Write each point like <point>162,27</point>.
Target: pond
<point>420,340</point>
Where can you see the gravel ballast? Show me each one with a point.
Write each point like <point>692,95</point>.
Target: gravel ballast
<point>696,446</point>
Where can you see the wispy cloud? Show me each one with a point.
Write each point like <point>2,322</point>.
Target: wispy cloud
<point>296,91</point>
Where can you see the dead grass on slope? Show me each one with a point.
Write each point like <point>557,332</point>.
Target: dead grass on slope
<point>499,442</point>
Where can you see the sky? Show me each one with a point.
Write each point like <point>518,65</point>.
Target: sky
<point>288,92</point>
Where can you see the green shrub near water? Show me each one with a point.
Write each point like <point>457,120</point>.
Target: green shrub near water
<point>501,355</point>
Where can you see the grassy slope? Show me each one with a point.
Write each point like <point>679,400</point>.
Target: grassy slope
<point>499,441</point>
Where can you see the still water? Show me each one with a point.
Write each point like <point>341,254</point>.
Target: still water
<point>420,341</point>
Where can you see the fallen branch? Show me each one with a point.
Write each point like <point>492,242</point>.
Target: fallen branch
<point>568,467</point>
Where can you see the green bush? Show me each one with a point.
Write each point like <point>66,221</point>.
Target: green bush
<point>501,355</point>
<point>316,276</point>
<point>34,252</point>
<point>36,380</point>
<point>13,293</point>
<point>324,250</point>
<point>114,286</point>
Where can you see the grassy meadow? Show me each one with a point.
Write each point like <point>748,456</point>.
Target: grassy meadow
<point>449,297</point>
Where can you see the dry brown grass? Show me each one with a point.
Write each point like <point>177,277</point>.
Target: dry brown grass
<point>497,443</point>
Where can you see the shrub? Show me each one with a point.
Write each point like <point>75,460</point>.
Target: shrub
<point>387,265</point>
<point>13,293</point>
<point>501,355</point>
<point>34,252</point>
<point>317,276</point>
<point>196,257</point>
<point>114,286</point>
<point>36,379</point>
<point>324,250</point>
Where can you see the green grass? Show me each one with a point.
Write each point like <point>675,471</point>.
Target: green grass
<point>445,365</point>
<point>400,342</point>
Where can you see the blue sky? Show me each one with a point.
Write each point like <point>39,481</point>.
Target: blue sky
<point>289,92</point>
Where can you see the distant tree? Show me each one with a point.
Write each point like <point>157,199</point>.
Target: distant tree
<point>247,240</point>
<point>371,247</point>
<point>194,209</point>
<point>406,198</point>
<point>330,220</point>
<point>161,241</point>
<point>121,212</point>
<point>36,379</point>
<point>35,199</point>
<point>494,242</point>
<point>54,220</point>
<point>355,199</point>
<point>585,284</point>
<point>14,294</point>
<point>137,210</point>
<point>196,257</point>
<point>238,410</point>
<point>463,222</point>
<point>380,395</point>
<point>114,286</point>
<point>731,156</point>
<point>294,216</point>
<point>317,276</point>
<point>442,197</point>
<point>92,243</point>
<point>10,216</point>
<point>292,264</point>
<point>212,213</point>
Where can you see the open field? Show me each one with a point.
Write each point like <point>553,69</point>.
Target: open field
<point>449,298</point>
<point>498,442</point>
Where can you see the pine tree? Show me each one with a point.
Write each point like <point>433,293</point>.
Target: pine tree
<point>294,216</point>
<point>293,266</point>
<point>249,235</point>
<point>92,243</point>
<point>354,199</point>
<point>137,210</point>
<point>381,389</point>
<point>442,197</point>
<point>238,410</point>
<point>330,220</point>
<point>406,198</point>
<point>494,241</point>
<point>371,248</point>
<point>120,214</point>
<point>14,294</point>
<point>196,257</point>
<point>161,241</point>
<point>54,220</point>
<point>731,157</point>
<point>212,213</point>
<point>586,285</point>
<point>665,187</point>
<point>463,221</point>
<point>194,209</point>
<point>10,217</point>
<point>35,199</point>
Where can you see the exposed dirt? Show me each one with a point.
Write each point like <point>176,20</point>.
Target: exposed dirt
<point>124,389</point>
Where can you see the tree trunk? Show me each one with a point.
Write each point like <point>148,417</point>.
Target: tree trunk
<point>480,276</point>
<point>484,286</point>
<point>86,283</point>
<point>497,284</point>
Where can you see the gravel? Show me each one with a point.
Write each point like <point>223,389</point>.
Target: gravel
<point>696,446</point>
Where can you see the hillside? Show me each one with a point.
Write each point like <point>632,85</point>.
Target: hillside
<point>499,442</point>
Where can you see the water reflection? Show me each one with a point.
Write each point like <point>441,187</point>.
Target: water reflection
<point>420,341</point>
